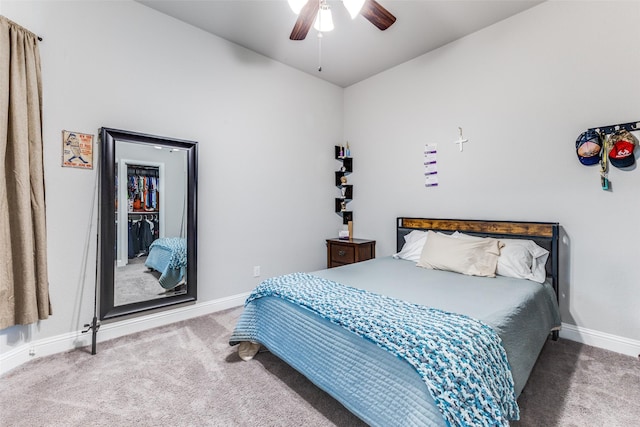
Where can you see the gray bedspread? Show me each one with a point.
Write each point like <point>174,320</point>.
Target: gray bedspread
<point>521,311</point>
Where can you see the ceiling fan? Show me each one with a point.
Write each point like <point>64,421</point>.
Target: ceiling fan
<point>370,9</point>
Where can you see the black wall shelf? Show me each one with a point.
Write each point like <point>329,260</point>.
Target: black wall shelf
<point>346,190</point>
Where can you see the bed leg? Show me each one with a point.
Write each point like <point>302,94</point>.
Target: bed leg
<point>555,335</point>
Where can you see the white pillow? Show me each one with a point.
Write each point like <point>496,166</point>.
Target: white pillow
<point>519,258</point>
<point>523,259</point>
<point>467,256</point>
<point>412,248</point>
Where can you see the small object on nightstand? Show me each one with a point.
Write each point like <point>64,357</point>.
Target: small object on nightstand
<point>343,252</point>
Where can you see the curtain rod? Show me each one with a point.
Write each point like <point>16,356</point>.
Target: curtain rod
<point>20,26</point>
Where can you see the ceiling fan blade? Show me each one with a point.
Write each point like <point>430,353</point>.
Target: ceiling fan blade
<point>377,15</point>
<point>305,20</point>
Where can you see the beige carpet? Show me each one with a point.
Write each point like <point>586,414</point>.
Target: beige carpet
<point>135,282</point>
<point>186,375</point>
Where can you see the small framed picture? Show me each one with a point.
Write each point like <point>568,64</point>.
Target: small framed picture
<point>77,150</point>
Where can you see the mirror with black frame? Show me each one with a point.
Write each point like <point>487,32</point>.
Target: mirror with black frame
<point>148,220</point>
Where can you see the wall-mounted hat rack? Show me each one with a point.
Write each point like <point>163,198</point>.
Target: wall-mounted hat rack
<point>604,131</point>
<point>607,130</point>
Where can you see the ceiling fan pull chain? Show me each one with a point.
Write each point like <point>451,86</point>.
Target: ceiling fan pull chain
<point>319,51</point>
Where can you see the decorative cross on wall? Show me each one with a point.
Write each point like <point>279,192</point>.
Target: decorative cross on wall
<point>460,140</point>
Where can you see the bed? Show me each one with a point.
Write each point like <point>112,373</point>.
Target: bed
<point>359,332</point>
<point>168,256</point>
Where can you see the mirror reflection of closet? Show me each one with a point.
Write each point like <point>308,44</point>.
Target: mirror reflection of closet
<point>142,223</point>
<point>147,250</point>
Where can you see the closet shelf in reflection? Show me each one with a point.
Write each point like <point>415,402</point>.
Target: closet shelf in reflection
<point>143,212</point>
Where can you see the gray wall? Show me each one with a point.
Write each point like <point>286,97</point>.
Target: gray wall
<point>265,168</point>
<point>522,90</point>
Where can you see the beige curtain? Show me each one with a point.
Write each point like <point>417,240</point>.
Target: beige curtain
<point>24,289</point>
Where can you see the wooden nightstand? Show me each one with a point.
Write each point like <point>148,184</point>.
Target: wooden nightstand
<point>342,252</point>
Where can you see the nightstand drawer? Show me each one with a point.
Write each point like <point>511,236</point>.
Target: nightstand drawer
<point>343,254</point>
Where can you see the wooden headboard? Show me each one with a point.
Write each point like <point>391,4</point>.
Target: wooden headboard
<point>545,234</point>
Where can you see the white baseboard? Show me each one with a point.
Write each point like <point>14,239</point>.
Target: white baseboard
<point>600,339</point>
<point>107,331</point>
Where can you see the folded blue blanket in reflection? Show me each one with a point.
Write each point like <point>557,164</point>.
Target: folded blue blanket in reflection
<point>168,255</point>
<point>461,360</point>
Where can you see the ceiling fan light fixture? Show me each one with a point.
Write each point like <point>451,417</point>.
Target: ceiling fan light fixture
<point>296,5</point>
<point>353,6</point>
<point>324,20</point>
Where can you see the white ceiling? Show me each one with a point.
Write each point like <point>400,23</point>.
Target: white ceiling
<point>354,50</point>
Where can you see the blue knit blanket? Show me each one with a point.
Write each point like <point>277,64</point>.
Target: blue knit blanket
<point>178,248</point>
<point>460,359</point>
